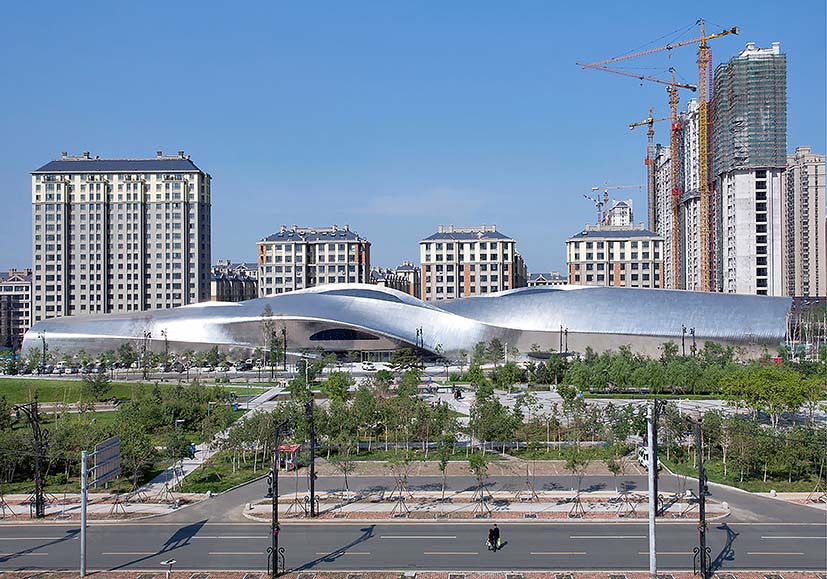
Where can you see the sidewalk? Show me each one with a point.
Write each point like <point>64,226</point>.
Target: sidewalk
<point>172,476</point>
<point>101,506</point>
<point>461,505</point>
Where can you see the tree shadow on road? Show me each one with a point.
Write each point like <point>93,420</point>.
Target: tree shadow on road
<point>180,538</point>
<point>70,534</point>
<point>727,552</point>
<point>367,533</point>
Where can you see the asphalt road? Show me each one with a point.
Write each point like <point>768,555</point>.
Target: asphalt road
<point>745,507</point>
<point>411,546</point>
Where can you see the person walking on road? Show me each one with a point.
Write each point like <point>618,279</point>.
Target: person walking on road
<point>494,537</point>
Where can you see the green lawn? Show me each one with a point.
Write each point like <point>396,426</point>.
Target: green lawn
<point>20,390</point>
<point>715,473</point>
<point>218,476</point>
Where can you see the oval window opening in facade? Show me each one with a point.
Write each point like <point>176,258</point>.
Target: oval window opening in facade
<point>341,334</point>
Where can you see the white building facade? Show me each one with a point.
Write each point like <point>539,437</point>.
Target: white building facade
<point>805,242</point>
<point>663,209</point>
<point>114,235</point>
<point>466,261</point>
<point>302,257</point>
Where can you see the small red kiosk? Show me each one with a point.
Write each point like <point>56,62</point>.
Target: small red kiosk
<point>289,456</point>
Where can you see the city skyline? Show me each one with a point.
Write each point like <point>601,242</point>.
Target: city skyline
<point>449,125</point>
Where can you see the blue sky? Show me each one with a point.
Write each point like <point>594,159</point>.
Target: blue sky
<point>391,116</point>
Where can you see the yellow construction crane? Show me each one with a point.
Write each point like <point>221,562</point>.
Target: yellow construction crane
<point>704,69</point>
<point>672,89</point>
<point>650,162</point>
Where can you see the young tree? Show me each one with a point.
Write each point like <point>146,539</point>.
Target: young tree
<point>495,352</point>
<point>343,462</point>
<point>445,448</point>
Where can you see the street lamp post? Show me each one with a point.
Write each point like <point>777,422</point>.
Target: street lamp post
<point>147,336</point>
<point>166,346</point>
<point>42,336</point>
<point>683,340</point>
<point>274,552</point>
<point>694,345</point>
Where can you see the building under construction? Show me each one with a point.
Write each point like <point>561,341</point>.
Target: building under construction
<point>749,143</point>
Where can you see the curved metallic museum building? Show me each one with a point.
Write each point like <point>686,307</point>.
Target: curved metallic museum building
<point>373,319</point>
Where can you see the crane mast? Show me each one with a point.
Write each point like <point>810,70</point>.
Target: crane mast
<point>650,162</point>
<point>674,98</point>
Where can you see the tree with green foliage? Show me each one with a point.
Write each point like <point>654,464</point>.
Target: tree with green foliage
<point>337,385</point>
<point>495,351</point>
<point>405,359</point>
<point>96,386</point>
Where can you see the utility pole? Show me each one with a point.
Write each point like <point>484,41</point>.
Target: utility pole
<point>653,496</point>
<point>311,422</point>
<point>84,491</point>
<point>41,442</point>
<point>659,405</point>
<point>273,479</point>
<point>702,563</point>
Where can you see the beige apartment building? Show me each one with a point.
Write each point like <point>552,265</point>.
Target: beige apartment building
<point>115,235</point>
<point>604,255</point>
<point>15,307</point>
<point>302,257</point>
<point>805,242</point>
<point>460,262</point>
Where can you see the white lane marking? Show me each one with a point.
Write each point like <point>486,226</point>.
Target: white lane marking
<point>784,537</point>
<point>417,536</point>
<point>32,538</point>
<point>230,537</point>
<point>607,536</point>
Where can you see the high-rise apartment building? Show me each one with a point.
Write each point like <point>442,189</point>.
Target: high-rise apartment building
<point>302,257</point>
<point>620,213</point>
<point>467,261</point>
<point>805,242</point>
<point>112,235</point>
<point>15,307</point>
<point>689,211</point>
<point>663,210</point>
<point>604,255</point>
<point>749,144</point>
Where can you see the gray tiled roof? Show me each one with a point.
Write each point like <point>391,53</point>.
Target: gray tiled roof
<point>118,165</point>
<point>463,236</point>
<point>19,276</point>
<point>615,234</point>
<point>546,276</point>
<point>321,235</point>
